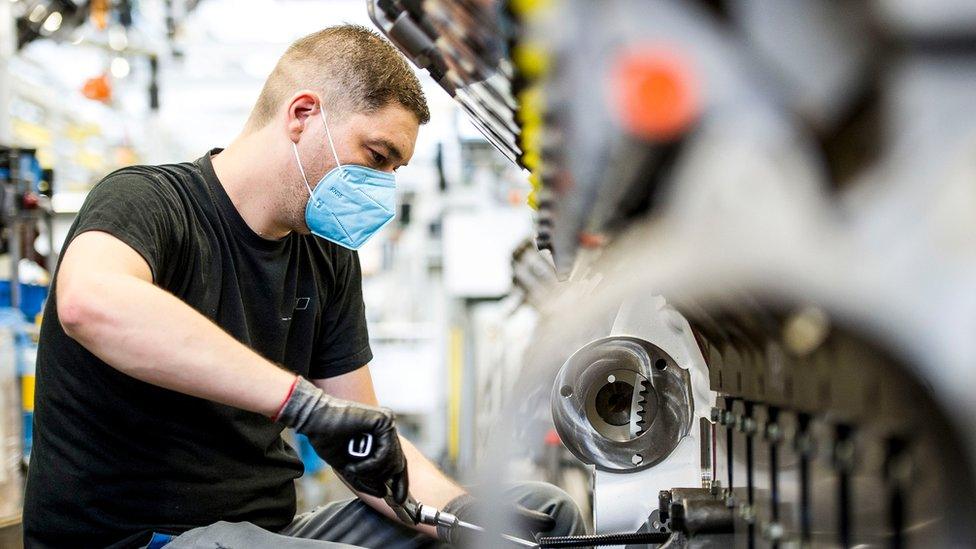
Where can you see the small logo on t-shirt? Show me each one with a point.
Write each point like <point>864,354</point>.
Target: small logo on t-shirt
<point>301,304</point>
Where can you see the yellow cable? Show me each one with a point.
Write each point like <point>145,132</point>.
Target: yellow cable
<point>27,392</point>
<point>455,372</point>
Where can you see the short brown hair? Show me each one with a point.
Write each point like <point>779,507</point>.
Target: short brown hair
<point>354,67</point>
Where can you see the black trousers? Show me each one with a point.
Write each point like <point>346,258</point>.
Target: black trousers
<point>350,524</point>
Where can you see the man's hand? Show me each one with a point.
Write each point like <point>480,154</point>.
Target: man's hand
<point>434,489</point>
<point>335,426</point>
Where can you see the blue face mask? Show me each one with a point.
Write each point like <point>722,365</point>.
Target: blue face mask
<point>350,203</point>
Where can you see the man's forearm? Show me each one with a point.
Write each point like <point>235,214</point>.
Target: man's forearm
<point>427,485</point>
<point>151,335</point>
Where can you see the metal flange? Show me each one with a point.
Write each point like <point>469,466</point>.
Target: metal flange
<point>622,404</point>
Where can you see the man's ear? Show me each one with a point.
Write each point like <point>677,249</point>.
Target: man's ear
<point>301,107</point>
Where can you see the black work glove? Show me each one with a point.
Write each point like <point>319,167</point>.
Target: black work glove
<point>338,431</point>
<point>520,522</point>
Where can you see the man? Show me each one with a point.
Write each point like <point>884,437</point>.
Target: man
<point>194,317</point>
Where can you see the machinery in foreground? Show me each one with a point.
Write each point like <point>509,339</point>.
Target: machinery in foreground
<point>760,216</point>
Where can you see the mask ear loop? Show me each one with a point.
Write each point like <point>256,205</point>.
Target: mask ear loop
<point>329,135</point>
<point>300,168</point>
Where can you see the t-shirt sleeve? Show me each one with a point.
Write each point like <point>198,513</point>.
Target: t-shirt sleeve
<point>140,211</point>
<point>343,344</point>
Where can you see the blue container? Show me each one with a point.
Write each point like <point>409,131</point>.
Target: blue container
<point>28,435</point>
<point>32,297</point>
<point>11,329</point>
<point>313,463</point>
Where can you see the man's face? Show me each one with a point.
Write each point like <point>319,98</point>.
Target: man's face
<point>383,140</point>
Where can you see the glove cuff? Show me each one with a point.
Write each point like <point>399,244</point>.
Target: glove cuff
<point>277,414</point>
<point>457,507</point>
<point>302,401</point>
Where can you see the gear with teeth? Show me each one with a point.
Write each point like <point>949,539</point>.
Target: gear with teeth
<point>641,424</point>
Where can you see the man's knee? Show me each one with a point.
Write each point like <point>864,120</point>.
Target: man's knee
<point>555,502</point>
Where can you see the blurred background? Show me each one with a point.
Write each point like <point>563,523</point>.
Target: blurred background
<point>708,265</point>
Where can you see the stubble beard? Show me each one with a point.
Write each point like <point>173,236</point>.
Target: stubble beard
<point>298,201</point>
<point>292,202</point>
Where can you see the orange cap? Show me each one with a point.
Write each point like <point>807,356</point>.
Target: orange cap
<point>98,88</point>
<point>654,93</point>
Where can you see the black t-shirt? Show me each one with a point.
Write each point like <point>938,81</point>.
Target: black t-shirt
<point>114,458</point>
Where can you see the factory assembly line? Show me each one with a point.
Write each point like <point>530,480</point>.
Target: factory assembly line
<point>750,270</point>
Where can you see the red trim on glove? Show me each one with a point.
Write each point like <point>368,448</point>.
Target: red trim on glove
<point>288,396</point>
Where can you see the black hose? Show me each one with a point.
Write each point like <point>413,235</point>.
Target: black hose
<point>599,540</point>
